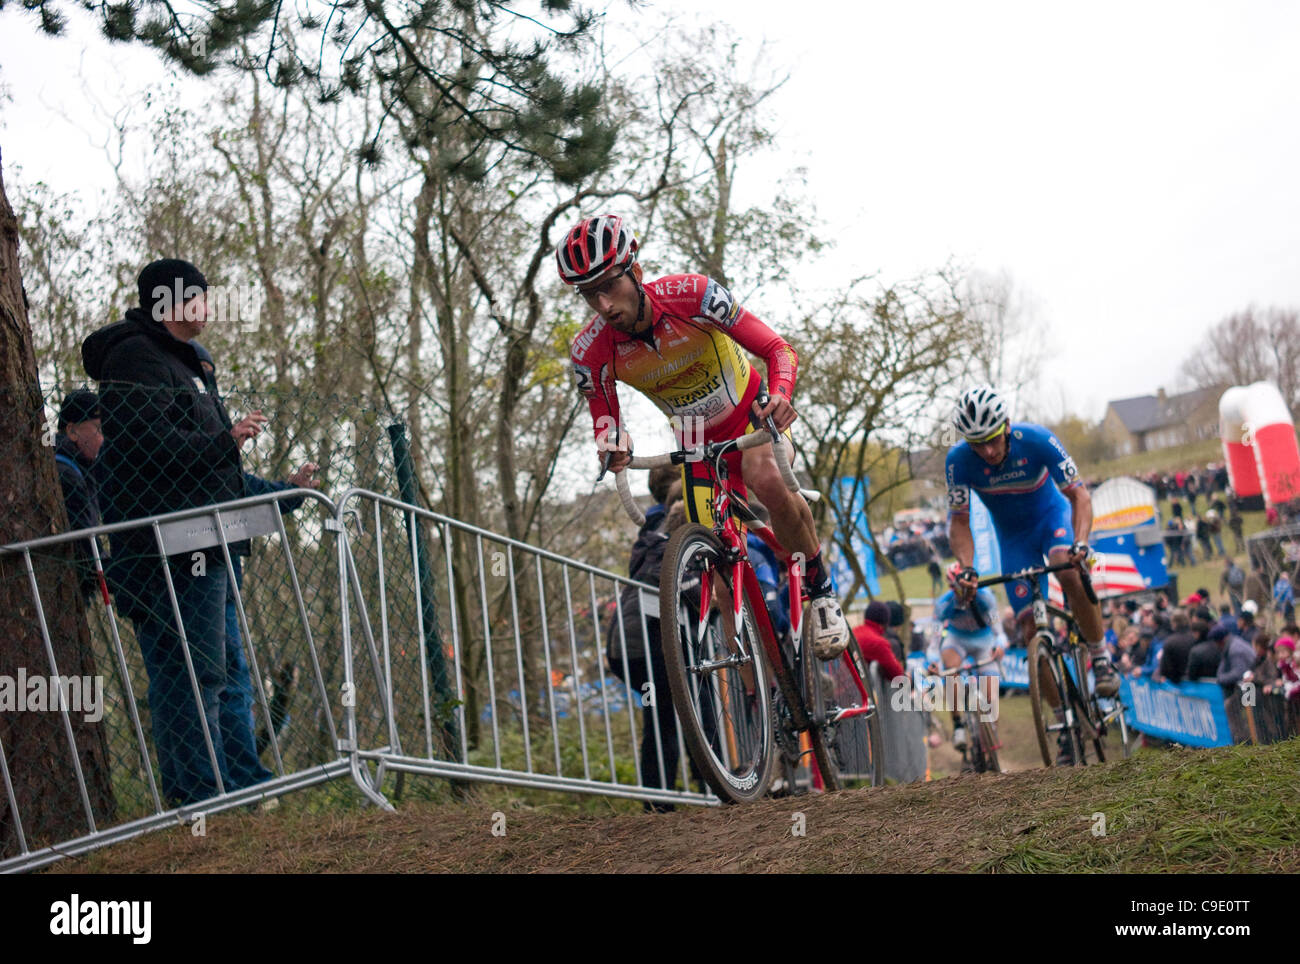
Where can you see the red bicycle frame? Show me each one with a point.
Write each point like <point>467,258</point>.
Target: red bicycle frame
<point>742,574</point>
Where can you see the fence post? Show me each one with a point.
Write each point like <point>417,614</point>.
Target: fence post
<point>428,609</point>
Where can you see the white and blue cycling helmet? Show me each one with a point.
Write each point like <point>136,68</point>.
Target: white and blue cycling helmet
<point>980,413</point>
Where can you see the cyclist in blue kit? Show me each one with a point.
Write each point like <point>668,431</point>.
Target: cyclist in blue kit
<point>1039,506</point>
<point>966,635</point>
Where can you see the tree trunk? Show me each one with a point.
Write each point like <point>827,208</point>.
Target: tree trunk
<point>35,743</point>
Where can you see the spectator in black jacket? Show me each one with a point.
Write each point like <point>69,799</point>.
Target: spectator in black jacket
<point>76,446</point>
<point>657,714</point>
<point>1235,522</point>
<point>1178,645</point>
<point>1203,657</point>
<point>169,445</point>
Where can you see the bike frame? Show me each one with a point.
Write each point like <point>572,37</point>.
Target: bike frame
<point>728,530</point>
<point>1067,654</point>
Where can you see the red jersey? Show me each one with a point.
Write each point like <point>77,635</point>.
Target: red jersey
<point>689,362</point>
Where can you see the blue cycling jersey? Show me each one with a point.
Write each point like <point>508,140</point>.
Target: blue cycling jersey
<point>1023,489</point>
<point>960,619</point>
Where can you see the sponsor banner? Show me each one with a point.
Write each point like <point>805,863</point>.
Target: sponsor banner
<point>1191,714</point>
<point>1119,573</point>
<point>1116,503</point>
<point>851,492</point>
<point>200,532</point>
<point>1124,518</point>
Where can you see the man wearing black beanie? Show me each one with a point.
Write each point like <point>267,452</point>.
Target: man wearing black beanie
<point>168,445</point>
<point>167,284</point>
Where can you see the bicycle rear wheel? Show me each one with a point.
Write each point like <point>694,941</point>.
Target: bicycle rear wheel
<point>721,688</point>
<point>818,691</point>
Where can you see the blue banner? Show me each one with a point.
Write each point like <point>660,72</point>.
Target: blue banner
<point>988,558</point>
<point>1188,713</point>
<point>1191,714</point>
<point>1015,669</point>
<point>850,499</point>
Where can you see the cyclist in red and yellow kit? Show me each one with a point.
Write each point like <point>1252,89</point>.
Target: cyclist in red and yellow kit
<point>681,341</point>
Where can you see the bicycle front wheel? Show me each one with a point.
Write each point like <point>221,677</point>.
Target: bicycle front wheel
<point>1091,728</point>
<point>1047,693</point>
<point>988,737</point>
<point>720,686</point>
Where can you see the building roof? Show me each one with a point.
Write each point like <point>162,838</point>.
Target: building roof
<point>1146,413</point>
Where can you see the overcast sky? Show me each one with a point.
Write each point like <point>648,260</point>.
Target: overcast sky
<point>1131,166</point>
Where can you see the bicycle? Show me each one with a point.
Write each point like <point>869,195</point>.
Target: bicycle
<point>981,750</point>
<point>1059,667</point>
<point>721,671</point>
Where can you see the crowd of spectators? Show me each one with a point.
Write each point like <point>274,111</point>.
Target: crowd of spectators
<point>916,543</point>
<point>1230,646</point>
<point>1193,524</point>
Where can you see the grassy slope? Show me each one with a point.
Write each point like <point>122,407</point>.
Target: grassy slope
<point>1225,810</point>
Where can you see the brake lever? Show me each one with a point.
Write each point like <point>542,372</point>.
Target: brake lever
<point>761,401</point>
<point>608,457</point>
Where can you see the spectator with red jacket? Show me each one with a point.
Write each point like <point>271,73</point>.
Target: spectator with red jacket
<point>871,640</point>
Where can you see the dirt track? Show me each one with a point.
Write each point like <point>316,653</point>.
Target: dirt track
<point>1157,809</point>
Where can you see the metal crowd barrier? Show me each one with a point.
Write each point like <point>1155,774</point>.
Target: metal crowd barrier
<point>1271,719</point>
<point>291,594</point>
<point>488,664</point>
<point>389,640</point>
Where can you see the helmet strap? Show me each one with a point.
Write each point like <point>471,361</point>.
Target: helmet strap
<point>640,306</point>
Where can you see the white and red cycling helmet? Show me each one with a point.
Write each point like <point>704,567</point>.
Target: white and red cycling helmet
<point>592,247</point>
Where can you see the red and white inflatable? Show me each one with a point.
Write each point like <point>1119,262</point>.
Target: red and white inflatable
<point>1238,454</point>
<point>1272,434</point>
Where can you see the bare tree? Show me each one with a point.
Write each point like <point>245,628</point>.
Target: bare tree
<point>876,362</point>
<point>44,780</point>
<point>1250,346</point>
<point>1012,347</point>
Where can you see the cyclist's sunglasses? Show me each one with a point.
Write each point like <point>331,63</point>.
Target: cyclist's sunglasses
<point>988,438</point>
<point>605,287</point>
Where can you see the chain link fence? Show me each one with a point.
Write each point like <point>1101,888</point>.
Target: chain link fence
<point>116,692</point>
